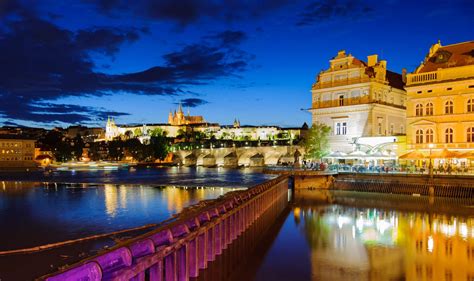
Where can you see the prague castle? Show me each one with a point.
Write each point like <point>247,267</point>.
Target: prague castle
<point>178,118</point>
<point>178,122</point>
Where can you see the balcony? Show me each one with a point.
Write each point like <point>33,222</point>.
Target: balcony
<point>344,82</point>
<point>352,101</point>
<point>442,74</point>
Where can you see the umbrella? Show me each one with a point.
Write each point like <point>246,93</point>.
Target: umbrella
<point>357,153</point>
<point>445,154</point>
<point>337,154</point>
<point>469,154</point>
<point>412,155</point>
<point>380,154</point>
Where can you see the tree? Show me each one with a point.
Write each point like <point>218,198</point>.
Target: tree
<point>78,146</point>
<point>116,149</point>
<point>158,132</point>
<point>138,150</point>
<point>137,132</point>
<point>59,145</point>
<point>317,141</point>
<point>159,146</point>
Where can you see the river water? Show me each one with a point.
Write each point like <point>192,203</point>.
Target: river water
<point>347,240</point>
<point>54,207</point>
<point>358,236</point>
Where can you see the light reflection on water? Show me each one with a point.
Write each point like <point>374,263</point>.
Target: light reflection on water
<point>33,214</point>
<point>349,243</point>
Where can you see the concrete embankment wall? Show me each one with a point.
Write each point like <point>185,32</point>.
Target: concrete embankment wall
<point>440,186</point>
<point>184,248</point>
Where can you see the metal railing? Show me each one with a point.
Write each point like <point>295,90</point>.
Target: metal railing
<point>353,101</point>
<point>179,250</point>
<point>403,186</point>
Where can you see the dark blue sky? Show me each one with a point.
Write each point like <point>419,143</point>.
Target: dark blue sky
<point>70,62</point>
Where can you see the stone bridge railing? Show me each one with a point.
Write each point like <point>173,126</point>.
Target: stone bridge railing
<point>179,250</point>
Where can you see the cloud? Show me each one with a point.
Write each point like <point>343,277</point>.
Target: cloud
<point>185,12</point>
<point>104,40</point>
<point>327,10</point>
<point>42,62</point>
<point>229,38</point>
<point>192,102</point>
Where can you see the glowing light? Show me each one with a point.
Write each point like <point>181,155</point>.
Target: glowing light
<point>430,244</point>
<point>463,230</point>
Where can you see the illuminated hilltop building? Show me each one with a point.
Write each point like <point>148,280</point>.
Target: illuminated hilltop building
<point>178,118</point>
<point>363,102</point>
<point>440,105</point>
<point>179,122</point>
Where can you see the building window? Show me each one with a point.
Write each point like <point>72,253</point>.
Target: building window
<point>419,110</point>
<point>402,129</point>
<point>419,136</point>
<point>448,275</point>
<point>341,100</point>
<point>341,128</point>
<point>470,252</point>
<point>429,109</point>
<point>448,135</point>
<point>429,136</point>
<point>470,134</point>
<point>391,129</point>
<point>449,107</point>
<point>470,105</point>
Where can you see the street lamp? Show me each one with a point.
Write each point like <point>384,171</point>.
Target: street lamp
<point>431,165</point>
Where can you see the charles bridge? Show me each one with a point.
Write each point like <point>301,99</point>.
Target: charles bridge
<point>238,156</point>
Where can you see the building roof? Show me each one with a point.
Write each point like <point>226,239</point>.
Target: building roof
<point>460,54</point>
<point>15,137</point>
<point>394,79</point>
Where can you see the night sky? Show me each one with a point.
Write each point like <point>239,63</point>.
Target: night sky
<point>77,62</point>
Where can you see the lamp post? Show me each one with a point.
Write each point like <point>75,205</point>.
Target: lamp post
<point>431,165</point>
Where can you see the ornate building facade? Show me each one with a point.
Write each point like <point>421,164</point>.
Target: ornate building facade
<point>178,118</point>
<point>440,105</point>
<point>358,99</point>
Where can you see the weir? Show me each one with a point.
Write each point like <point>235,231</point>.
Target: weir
<point>186,247</point>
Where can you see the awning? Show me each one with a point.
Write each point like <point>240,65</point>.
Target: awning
<point>414,155</point>
<point>445,154</point>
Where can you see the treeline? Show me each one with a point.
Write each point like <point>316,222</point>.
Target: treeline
<point>64,149</point>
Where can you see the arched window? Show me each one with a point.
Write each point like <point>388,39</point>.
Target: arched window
<point>419,110</point>
<point>470,134</point>
<point>448,135</point>
<point>419,136</point>
<point>449,107</point>
<point>470,105</point>
<point>429,136</point>
<point>429,109</point>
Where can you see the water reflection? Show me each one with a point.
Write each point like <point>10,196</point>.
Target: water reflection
<point>348,243</point>
<point>56,212</point>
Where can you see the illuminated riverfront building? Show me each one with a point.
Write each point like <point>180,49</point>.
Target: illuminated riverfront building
<point>440,105</point>
<point>16,151</point>
<point>360,101</point>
